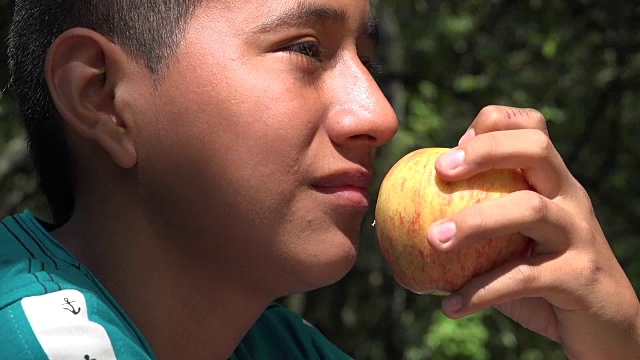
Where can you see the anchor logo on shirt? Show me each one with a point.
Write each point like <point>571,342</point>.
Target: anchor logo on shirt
<point>71,308</point>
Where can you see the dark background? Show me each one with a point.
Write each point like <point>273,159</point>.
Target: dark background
<point>576,61</point>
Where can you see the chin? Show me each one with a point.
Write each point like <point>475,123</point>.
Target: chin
<point>325,266</point>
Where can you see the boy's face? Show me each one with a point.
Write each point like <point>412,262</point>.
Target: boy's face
<point>256,149</point>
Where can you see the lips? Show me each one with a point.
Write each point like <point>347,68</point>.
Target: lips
<point>348,187</point>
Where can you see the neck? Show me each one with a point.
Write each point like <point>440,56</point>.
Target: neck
<point>206,308</point>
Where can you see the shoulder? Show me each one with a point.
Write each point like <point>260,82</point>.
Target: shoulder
<point>63,325</point>
<point>281,333</point>
<point>51,307</point>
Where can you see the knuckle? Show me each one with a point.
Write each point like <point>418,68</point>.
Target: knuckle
<point>524,275</point>
<point>582,197</point>
<point>538,206</point>
<point>541,143</point>
<point>491,113</point>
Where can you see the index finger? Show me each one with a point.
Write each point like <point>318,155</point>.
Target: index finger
<point>500,118</point>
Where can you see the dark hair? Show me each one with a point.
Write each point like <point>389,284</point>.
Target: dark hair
<point>149,31</point>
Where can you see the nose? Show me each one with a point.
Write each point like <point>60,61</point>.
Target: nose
<point>360,114</point>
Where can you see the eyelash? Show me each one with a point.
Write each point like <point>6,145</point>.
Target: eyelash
<point>317,52</point>
<point>313,50</point>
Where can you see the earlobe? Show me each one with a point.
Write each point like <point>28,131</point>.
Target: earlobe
<point>115,141</point>
<point>82,70</point>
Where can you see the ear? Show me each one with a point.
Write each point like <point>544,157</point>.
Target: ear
<point>82,70</point>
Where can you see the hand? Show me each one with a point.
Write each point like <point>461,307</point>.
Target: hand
<point>571,288</point>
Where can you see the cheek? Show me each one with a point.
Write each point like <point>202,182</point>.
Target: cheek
<point>239,143</point>
<point>230,137</point>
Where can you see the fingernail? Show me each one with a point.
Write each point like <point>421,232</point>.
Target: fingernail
<point>452,159</point>
<point>452,304</point>
<point>445,232</point>
<point>470,134</point>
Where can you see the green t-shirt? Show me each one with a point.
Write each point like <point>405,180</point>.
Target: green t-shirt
<point>52,307</point>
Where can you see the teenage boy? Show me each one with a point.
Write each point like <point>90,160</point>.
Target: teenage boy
<point>203,158</point>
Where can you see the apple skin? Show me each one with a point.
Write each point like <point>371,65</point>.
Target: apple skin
<point>412,197</point>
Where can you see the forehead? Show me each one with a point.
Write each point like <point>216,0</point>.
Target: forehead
<point>258,14</point>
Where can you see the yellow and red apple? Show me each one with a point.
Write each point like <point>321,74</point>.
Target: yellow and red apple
<point>412,197</point>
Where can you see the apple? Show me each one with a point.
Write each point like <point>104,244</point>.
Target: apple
<point>412,197</point>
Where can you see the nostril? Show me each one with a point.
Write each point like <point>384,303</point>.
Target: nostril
<point>363,137</point>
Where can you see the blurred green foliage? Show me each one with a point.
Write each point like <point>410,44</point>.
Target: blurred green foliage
<point>576,61</point>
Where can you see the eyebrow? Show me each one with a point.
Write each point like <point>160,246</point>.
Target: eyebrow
<point>309,12</point>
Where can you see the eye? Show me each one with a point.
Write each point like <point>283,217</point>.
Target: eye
<point>314,50</point>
